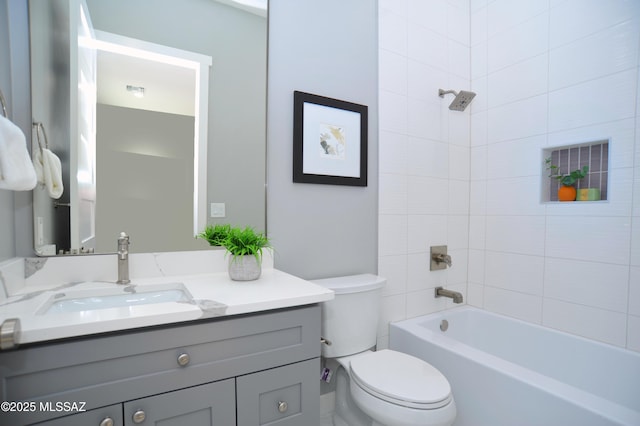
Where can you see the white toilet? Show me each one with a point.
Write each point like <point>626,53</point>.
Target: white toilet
<point>383,388</point>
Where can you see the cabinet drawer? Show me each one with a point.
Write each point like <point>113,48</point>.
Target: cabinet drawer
<point>212,404</point>
<point>118,367</point>
<point>284,396</point>
<point>105,416</point>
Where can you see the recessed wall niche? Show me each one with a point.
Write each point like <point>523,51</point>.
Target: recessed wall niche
<point>565,159</point>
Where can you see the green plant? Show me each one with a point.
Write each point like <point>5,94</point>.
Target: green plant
<point>243,242</point>
<point>215,234</point>
<point>566,180</point>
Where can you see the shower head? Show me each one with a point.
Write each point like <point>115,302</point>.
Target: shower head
<point>461,101</point>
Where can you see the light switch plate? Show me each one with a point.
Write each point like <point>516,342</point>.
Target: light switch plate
<point>218,210</point>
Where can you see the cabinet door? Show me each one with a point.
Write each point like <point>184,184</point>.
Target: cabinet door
<point>212,404</point>
<point>284,396</point>
<point>105,416</point>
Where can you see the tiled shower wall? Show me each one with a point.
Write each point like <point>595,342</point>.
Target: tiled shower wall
<point>424,153</point>
<point>547,73</point>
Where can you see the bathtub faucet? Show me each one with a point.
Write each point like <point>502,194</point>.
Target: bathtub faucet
<point>455,295</point>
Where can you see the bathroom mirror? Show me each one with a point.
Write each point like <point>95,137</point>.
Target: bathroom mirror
<point>159,215</point>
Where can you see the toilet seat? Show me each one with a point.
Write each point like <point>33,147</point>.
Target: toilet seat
<point>401,379</point>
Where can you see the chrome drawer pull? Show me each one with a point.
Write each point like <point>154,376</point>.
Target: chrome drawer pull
<point>107,421</point>
<point>282,406</point>
<point>139,416</point>
<point>183,359</point>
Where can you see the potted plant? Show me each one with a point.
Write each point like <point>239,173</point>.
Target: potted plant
<point>245,246</point>
<point>215,234</point>
<point>567,190</point>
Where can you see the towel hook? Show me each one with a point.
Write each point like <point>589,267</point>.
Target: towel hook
<point>4,105</point>
<point>40,127</point>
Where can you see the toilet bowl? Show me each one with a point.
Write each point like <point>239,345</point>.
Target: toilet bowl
<point>396,389</point>
<point>379,388</point>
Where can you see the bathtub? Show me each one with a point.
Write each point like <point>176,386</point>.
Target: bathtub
<point>506,372</point>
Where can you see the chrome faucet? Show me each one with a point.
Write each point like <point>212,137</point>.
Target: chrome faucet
<point>123,259</point>
<point>455,295</point>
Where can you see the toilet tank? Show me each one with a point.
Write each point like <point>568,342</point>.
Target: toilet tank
<point>350,320</point>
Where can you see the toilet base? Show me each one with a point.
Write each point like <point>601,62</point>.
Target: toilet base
<point>346,411</point>
<point>392,415</point>
<point>339,421</point>
<point>349,413</point>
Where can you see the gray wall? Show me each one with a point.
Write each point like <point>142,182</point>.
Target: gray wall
<point>15,207</point>
<point>321,230</point>
<point>7,236</point>
<point>145,180</point>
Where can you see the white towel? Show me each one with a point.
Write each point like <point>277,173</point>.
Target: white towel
<point>49,171</point>
<point>16,170</point>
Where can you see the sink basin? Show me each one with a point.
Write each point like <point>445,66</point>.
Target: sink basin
<point>117,297</point>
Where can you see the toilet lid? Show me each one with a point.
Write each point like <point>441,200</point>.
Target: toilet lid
<point>401,379</point>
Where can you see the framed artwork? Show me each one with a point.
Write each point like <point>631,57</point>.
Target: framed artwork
<point>329,141</point>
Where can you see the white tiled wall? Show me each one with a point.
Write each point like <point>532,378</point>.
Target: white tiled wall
<point>546,73</point>
<point>424,152</point>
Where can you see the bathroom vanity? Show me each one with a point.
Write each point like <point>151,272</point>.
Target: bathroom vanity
<point>254,361</point>
<point>264,367</point>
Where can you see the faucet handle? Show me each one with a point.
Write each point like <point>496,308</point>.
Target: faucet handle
<point>123,244</point>
<point>439,258</point>
<point>442,258</point>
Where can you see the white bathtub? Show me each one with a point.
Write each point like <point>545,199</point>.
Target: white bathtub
<point>506,372</point>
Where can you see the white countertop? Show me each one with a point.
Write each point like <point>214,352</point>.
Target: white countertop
<point>211,295</point>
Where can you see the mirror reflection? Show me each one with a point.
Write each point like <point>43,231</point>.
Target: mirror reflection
<point>145,158</point>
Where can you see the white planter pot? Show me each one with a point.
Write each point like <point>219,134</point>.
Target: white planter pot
<point>244,268</point>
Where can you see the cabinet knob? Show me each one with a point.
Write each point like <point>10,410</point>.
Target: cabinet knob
<point>107,421</point>
<point>139,416</point>
<point>282,406</point>
<point>183,359</point>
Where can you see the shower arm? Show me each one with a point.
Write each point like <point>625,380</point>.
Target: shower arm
<point>441,92</point>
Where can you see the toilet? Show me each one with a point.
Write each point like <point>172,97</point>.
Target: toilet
<point>376,388</point>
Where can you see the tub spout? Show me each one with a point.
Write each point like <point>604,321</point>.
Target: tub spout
<point>455,295</point>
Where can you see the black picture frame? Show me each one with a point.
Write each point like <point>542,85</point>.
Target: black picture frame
<point>329,141</point>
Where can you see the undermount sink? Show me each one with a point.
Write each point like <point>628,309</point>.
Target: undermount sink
<point>117,297</point>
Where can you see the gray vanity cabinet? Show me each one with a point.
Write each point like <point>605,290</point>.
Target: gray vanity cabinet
<point>244,370</point>
<point>284,396</point>
<point>211,404</point>
<point>105,416</point>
